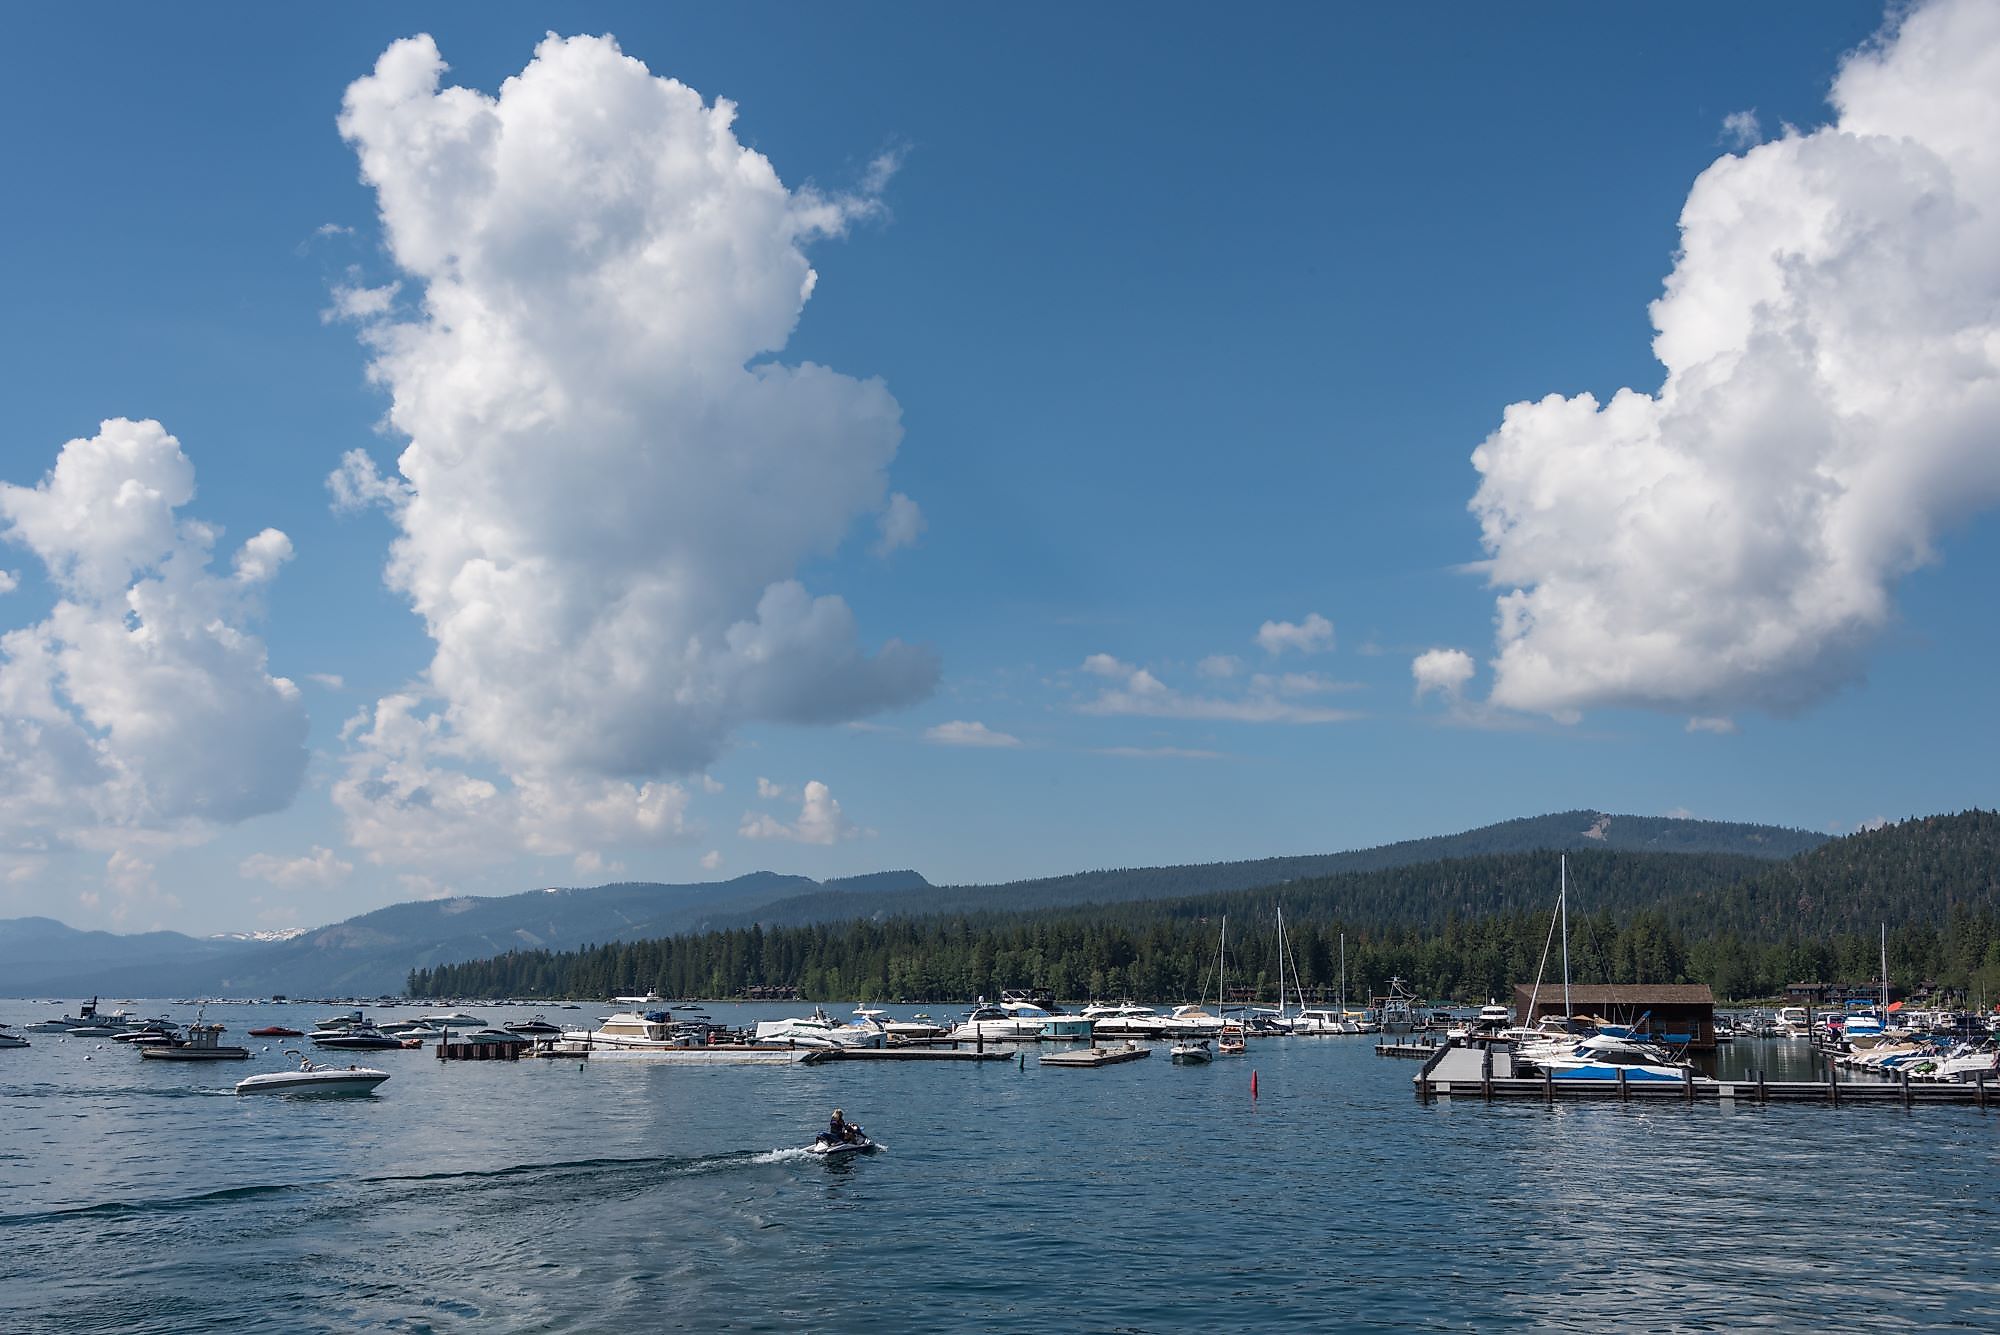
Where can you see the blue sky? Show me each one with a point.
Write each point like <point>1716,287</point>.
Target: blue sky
<point>1192,321</point>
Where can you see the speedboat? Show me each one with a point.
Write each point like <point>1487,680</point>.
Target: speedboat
<point>821,1030</point>
<point>312,1079</point>
<point>8,1040</point>
<point>1194,1052</point>
<point>276,1031</point>
<point>1602,1057</point>
<point>363,1036</point>
<point>537,1028</point>
<point>917,1029</point>
<point>827,1147</point>
<point>455,1020</point>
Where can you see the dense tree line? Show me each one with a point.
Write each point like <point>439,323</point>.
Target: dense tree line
<point>1465,928</point>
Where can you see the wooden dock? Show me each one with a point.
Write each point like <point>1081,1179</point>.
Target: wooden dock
<point>448,1051</point>
<point>1094,1057</point>
<point>915,1054</point>
<point>1456,1072</point>
<point>1416,1050</point>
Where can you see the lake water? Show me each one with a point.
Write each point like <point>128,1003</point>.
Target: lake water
<point>142,1196</point>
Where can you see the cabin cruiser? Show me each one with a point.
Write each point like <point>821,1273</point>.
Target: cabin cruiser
<point>1794,1022</point>
<point>1400,1011</point>
<point>1317,1022</point>
<point>202,1044</point>
<point>658,1034</point>
<point>992,1024</point>
<point>313,1080</point>
<point>1124,1020</point>
<point>915,1030</point>
<point>1191,1022</point>
<point>821,1030</point>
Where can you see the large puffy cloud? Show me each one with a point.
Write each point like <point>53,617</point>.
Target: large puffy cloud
<point>820,821</point>
<point>607,487</point>
<point>1831,404</point>
<point>140,711</point>
<point>410,797</point>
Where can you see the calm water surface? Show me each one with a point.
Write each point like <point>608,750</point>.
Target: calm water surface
<point>545,1196</point>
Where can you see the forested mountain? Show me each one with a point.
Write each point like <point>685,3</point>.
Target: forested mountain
<point>1463,927</point>
<point>1583,830</point>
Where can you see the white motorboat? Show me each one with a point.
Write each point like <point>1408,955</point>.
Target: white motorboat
<point>11,1040</point>
<point>1193,1052</point>
<point>917,1029</point>
<point>1317,1022</point>
<point>821,1030</point>
<point>312,1079</point>
<point>1191,1021</point>
<point>535,1028</point>
<point>995,1024</point>
<point>655,1034</point>
<point>1125,1020</point>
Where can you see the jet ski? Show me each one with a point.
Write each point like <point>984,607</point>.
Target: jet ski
<point>827,1147</point>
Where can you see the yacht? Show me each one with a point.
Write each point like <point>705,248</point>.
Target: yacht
<point>1191,1022</point>
<point>1125,1020</point>
<point>916,1030</point>
<point>1602,1057</point>
<point>991,1024</point>
<point>820,1030</point>
<point>656,1034</point>
<point>1315,1022</point>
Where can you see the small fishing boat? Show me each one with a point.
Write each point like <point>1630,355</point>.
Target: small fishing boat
<point>314,1080</point>
<point>201,1045</point>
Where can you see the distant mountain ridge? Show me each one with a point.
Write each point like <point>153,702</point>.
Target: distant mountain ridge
<point>1558,831</point>
<point>373,953</point>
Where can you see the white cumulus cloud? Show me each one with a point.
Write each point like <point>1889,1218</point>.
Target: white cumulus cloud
<point>1831,405</point>
<point>142,702</point>
<point>610,481</point>
<point>318,869</point>
<point>1136,692</point>
<point>959,732</point>
<point>900,524</point>
<point>820,821</point>
<point>1312,635</point>
<point>1442,671</point>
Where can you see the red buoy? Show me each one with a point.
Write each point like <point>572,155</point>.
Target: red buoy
<point>1253,1086</point>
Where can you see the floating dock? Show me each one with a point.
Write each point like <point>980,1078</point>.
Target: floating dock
<point>1092,1057</point>
<point>448,1051</point>
<point>915,1054</point>
<point>1461,1072</point>
<point>1416,1050</point>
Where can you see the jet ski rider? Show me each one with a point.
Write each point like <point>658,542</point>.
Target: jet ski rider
<point>841,1131</point>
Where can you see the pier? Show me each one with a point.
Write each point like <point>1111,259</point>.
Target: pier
<point>1094,1057</point>
<point>915,1054</point>
<point>449,1051</point>
<point>1455,1071</point>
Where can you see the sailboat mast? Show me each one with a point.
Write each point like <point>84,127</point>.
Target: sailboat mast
<point>1343,976</point>
<point>1281,961</point>
<point>1563,899</point>
<point>1885,974</point>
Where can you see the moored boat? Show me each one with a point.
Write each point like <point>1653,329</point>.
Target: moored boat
<point>202,1044</point>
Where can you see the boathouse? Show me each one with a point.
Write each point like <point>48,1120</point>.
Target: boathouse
<point>1682,1014</point>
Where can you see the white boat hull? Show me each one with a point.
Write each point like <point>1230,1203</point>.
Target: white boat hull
<point>319,1083</point>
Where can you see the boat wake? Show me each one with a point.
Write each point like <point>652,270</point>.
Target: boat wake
<point>627,1171</point>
